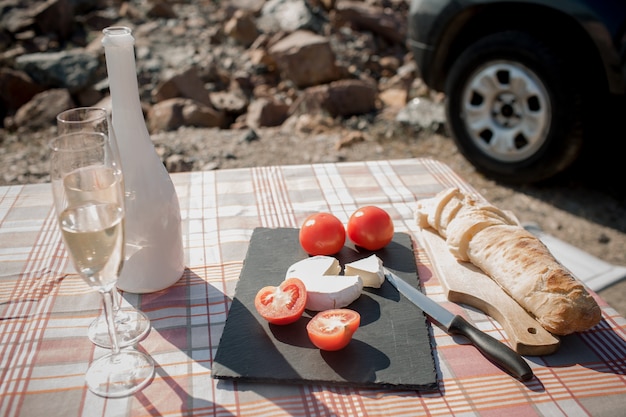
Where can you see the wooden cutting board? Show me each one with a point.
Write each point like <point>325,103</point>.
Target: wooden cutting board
<point>466,284</point>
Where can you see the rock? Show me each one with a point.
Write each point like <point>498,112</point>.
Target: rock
<point>209,60</point>
<point>73,70</point>
<point>402,78</point>
<point>351,97</point>
<point>288,16</point>
<point>130,11</point>
<point>309,123</point>
<point>88,97</point>
<point>161,9</point>
<point>198,115</point>
<point>176,112</point>
<point>424,113</point>
<point>233,102</point>
<point>266,112</point>
<point>15,19</point>
<point>84,6</point>
<point>253,6</point>
<point>340,98</point>
<point>100,19</point>
<point>305,58</point>
<point>42,109</point>
<point>54,16</point>
<point>326,4</point>
<point>178,163</point>
<point>249,135</point>
<point>350,138</point>
<point>242,27</point>
<point>394,97</point>
<point>186,84</point>
<point>261,57</point>
<point>16,89</point>
<point>390,26</point>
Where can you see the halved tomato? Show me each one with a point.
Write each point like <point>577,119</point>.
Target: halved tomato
<point>333,329</point>
<point>283,304</point>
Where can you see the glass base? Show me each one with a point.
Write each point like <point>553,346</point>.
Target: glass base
<point>119,374</point>
<point>131,326</point>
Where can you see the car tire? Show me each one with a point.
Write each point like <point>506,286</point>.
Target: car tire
<point>512,110</point>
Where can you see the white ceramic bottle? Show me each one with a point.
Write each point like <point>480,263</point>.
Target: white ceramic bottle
<point>154,248</point>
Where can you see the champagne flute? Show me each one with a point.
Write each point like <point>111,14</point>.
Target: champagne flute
<point>89,202</point>
<point>131,324</point>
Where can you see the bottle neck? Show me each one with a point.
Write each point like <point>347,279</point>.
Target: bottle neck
<point>122,72</point>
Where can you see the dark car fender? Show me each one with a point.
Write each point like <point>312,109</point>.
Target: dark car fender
<point>435,24</point>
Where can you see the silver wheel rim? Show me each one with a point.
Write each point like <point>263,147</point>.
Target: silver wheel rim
<point>506,111</point>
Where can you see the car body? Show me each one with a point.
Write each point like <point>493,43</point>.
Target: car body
<point>525,81</point>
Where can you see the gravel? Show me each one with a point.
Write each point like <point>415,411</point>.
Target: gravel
<point>586,207</point>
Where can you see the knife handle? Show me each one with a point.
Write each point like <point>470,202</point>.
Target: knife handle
<point>494,350</point>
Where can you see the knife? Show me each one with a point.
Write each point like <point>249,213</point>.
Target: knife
<point>494,350</point>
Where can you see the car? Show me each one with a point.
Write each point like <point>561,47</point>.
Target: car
<point>525,81</point>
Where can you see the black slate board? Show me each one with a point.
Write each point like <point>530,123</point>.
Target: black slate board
<point>391,348</point>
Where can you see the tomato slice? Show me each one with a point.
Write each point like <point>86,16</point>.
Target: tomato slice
<point>333,329</point>
<point>283,304</point>
<point>370,227</point>
<point>322,234</point>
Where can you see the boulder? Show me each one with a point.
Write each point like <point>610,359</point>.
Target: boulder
<point>54,16</point>
<point>184,84</point>
<point>176,112</point>
<point>41,111</point>
<point>16,89</point>
<point>340,98</point>
<point>305,58</point>
<point>265,113</point>
<point>73,70</point>
<point>376,19</point>
<point>242,27</point>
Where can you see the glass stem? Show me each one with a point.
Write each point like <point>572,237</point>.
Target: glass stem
<point>109,315</point>
<point>120,316</point>
<point>117,303</point>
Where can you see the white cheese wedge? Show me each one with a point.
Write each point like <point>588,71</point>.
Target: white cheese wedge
<point>314,266</point>
<point>370,270</point>
<point>325,292</point>
<point>325,288</point>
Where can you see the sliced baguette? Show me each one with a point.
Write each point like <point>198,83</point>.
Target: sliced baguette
<point>518,261</point>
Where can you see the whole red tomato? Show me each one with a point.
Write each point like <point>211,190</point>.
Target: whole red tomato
<point>283,304</point>
<point>322,234</point>
<point>370,227</point>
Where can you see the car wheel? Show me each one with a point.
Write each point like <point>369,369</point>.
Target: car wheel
<point>511,110</point>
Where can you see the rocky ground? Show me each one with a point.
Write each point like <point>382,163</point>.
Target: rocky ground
<point>585,207</point>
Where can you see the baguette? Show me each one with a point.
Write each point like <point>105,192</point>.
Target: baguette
<point>514,258</point>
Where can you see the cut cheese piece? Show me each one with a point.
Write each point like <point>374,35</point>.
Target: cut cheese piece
<point>325,288</point>
<point>314,266</point>
<point>325,292</point>
<point>370,270</point>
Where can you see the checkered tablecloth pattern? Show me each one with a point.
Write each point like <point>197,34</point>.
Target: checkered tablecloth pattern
<point>45,310</point>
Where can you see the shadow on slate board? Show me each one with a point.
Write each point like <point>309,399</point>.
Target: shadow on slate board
<point>391,348</point>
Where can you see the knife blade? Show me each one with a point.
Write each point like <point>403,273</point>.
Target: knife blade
<point>494,350</point>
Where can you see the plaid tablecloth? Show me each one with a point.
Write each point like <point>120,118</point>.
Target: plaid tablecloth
<point>45,309</point>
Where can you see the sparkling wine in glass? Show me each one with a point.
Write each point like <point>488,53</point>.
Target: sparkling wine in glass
<point>89,202</point>
<point>131,325</point>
